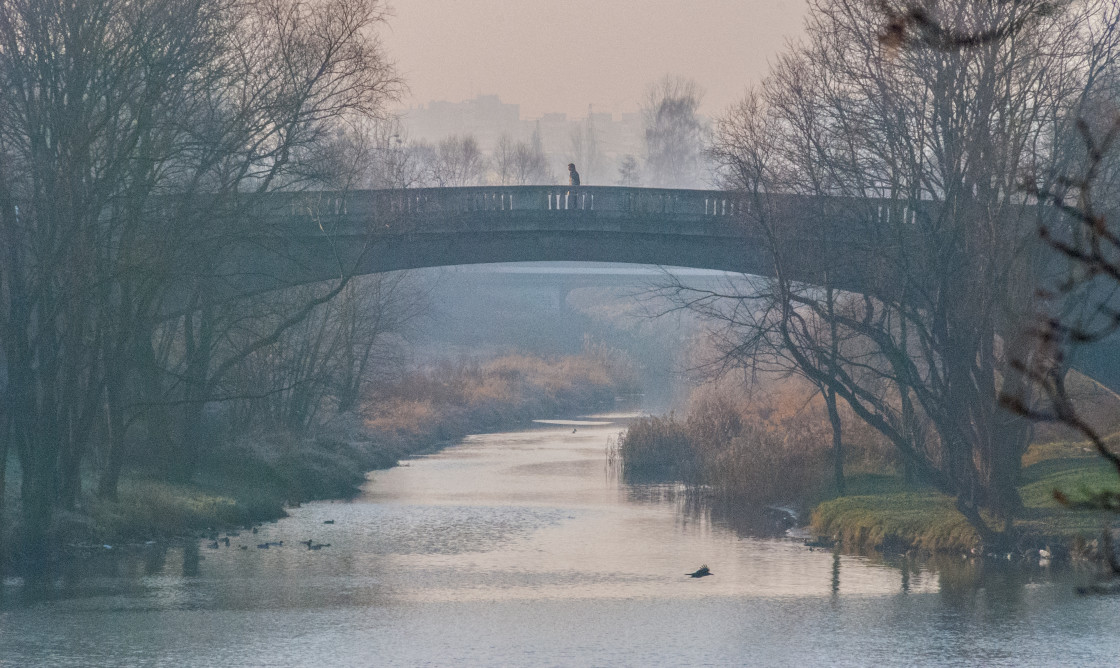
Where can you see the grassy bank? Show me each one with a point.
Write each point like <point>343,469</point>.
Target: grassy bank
<point>883,514</point>
<point>775,448</point>
<point>252,478</point>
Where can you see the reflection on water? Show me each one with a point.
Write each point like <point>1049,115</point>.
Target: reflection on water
<point>522,549</point>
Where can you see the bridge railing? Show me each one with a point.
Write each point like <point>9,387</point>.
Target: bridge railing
<point>684,211</point>
<point>606,200</point>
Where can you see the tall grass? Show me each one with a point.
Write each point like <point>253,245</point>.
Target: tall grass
<point>655,449</point>
<point>753,448</point>
<point>478,395</point>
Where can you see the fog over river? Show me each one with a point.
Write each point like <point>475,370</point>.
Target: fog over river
<point>522,549</point>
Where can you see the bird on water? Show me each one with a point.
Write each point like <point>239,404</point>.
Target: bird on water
<point>700,572</point>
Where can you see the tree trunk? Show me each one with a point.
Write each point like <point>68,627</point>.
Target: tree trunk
<point>837,442</point>
<point>5,432</point>
<point>38,492</point>
<point>114,439</point>
<point>1002,466</point>
<point>185,455</point>
<point>157,417</point>
<point>80,423</point>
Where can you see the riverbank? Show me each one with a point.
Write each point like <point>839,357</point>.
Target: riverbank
<point>883,514</point>
<point>775,449</point>
<point>253,478</point>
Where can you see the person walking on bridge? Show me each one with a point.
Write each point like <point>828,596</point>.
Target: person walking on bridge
<point>573,182</point>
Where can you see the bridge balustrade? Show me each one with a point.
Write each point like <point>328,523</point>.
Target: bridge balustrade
<point>391,208</point>
<point>421,205</point>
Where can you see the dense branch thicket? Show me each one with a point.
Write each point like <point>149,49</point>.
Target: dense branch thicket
<point>1078,315</point>
<point>940,138</point>
<point>135,137</point>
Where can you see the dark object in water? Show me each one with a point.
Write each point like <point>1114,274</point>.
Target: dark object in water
<point>328,521</point>
<point>700,572</point>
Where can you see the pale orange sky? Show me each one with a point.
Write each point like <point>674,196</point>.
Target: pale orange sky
<point>561,55</point>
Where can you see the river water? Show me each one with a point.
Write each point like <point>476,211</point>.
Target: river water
<point>521,549</point>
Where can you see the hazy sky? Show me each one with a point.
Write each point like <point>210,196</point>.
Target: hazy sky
<point>561,55</point>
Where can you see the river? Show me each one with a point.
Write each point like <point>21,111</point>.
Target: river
<point>521,549</point>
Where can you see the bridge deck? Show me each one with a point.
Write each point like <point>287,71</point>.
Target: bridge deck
<point>316,234</point>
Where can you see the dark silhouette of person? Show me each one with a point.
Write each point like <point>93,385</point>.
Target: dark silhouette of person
<point>573,182</point>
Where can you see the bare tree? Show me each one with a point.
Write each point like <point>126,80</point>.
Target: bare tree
<point>388,157</point>
<point>1078,314</point>
<point>629,172</point>
<point>88,113</point>
<point>454,161</point>
<point>520,163</point>
<point>532,162</point>
<point>933,145</point>
<point>136,137</point>
<point>503,160</point>
<point>325,362</point>
<point>1078,317</point>
<point>321,63</point>
<point>674,133</point>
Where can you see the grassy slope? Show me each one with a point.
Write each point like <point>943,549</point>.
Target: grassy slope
<point>880,512</point>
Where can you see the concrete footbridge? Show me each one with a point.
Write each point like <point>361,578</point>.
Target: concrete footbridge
<point>305,237</point>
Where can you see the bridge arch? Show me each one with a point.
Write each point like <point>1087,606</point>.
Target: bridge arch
<point>295,238</point>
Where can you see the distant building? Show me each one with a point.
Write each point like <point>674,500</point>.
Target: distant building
<point>486,117</point>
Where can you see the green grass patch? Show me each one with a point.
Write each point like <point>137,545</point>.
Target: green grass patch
<point>858,483</point>
<point>1074,477</point>
<point>147,508</point>
<point>925,520</point>
<point>881,511</point>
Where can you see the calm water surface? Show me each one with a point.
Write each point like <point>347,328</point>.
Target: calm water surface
<point>519,549</point>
